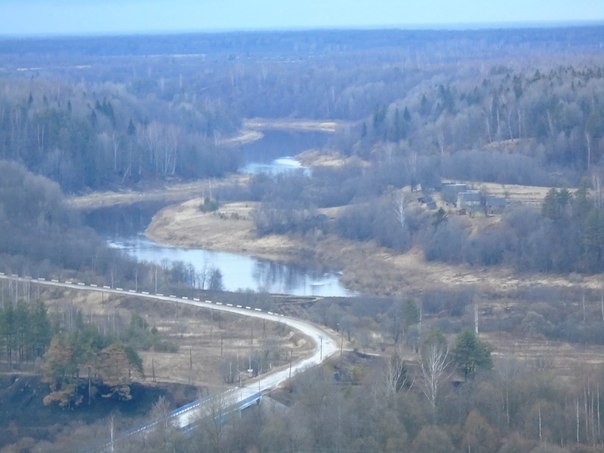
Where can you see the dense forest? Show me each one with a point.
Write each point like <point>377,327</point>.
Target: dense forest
<point>420,110</point>
<point>88,137</point>
<point>96,113</point>
<point>42,236</point>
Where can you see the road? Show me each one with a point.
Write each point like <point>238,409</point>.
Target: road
<point>326,345</point>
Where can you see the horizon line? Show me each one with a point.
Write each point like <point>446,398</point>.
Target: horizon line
<point>462,26</point>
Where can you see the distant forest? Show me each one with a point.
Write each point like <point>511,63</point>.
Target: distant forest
<point>519,106</point>
<point>103,112</point>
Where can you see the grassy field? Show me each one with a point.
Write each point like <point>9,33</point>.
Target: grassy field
<point>265,124</point>
<point>168,193</point>
<point>229,229</point>
<point>205,338</point>
<point>513,193</point>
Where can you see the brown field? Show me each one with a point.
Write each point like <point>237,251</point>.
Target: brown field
<point>317,158</point>
<point>292,125</point>
<point>230,229</point>
<point>565,358</point>
<point>205,338</point>
<point>244,137</point>
<point>514,193</point>
<point>175,192</point>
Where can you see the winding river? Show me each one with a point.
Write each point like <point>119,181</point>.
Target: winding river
<point>124,228</point>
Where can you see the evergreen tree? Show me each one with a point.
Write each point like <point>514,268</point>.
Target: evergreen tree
<point>471,354</point>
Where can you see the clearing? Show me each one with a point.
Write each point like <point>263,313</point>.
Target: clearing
<point>229,229</point>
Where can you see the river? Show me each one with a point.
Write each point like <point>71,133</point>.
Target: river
<point>124,228</point>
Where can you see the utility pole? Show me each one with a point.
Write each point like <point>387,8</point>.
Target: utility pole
<point>155,279</point>
<point>321,354</point>
<point>111,429</point>
<point>89,387</point>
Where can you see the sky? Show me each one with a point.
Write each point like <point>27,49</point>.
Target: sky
<point>74,17</point>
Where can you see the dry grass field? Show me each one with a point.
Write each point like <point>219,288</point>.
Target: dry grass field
<point>175,192</point>
<point>229,229</point>
<point>206,339</point>
<point>514,193</point>
<point>292,125</point>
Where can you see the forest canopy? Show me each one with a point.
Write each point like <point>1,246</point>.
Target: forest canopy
<point>114,112</point>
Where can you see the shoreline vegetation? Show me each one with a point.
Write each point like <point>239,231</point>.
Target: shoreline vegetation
<point>366,268</point>
<point>181,191</point>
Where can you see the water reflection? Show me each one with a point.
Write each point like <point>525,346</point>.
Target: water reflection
<point>276,144</point>
<point>239,272</point>
<point>123,227</point>
<point>274,167</point>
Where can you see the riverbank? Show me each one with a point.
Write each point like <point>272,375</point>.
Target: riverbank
<point>228,229</point>
<point>293,125</point>
<point>366,268</point>
<point>166,193</point>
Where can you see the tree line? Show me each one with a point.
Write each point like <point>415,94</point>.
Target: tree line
<point>43,236</point>
<point>118,121</point>
<point>25,333</point>
<point>566,235</point>
<point>82,364</point>
<point>79,361</point>
<point>513,119</point>
<point>91,137</point>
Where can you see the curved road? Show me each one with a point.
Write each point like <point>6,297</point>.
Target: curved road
<point>326,344</point>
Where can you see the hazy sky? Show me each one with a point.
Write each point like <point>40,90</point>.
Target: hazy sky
<point>25,17</point>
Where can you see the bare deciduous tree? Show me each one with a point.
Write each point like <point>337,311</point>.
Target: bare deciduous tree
<point>399,208</point>
<point>395,374</point>
<point>434,366</point>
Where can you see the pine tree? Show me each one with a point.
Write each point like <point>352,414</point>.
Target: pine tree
<point>471,354</point>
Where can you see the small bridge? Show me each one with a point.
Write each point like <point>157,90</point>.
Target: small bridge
<point>186,418</point>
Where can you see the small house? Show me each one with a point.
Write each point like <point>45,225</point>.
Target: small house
<point>495,205</point>
<point>450,191</point>
<point>470,200</point>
